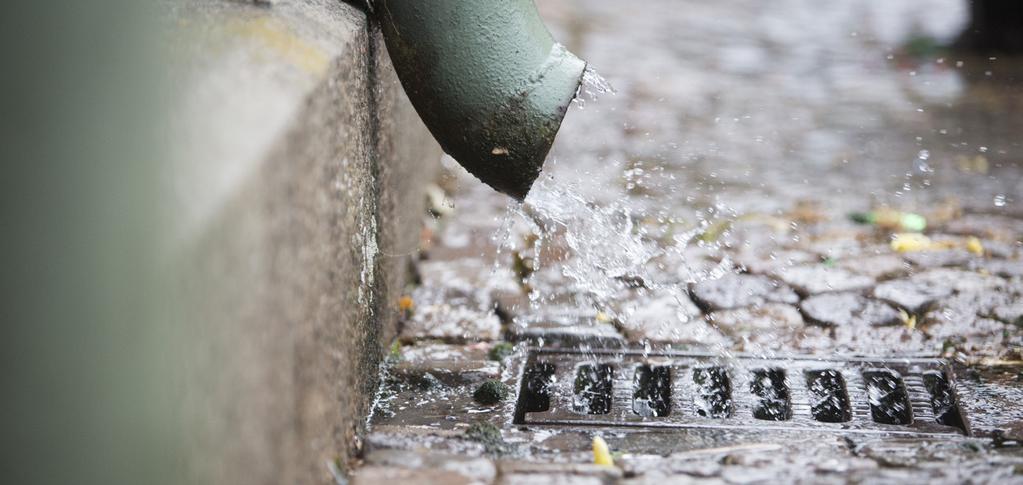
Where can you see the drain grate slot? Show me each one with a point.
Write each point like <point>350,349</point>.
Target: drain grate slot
<point>829,396</point>
<point>886,394</point>
<point>772,401</point>
<point>713,397</point>
<point>652,391</point>
<point>537,379</point>
<point>943,400</point>
<point>669,389</point>
<point>593,387</point>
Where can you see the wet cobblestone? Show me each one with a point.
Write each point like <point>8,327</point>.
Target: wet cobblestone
<point>426,466</point>
<point>451,315</point>
<point>848,309</point>
<point>740,290</point>
<point>911,295</point>
<point>815,279</point>
<point>772,123</point>
<point>878,267</point>
<point>771,326</point>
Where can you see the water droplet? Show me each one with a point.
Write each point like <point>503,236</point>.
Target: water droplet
<point>999,200</point>
<point>921,162</point>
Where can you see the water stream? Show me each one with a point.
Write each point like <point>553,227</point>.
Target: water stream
<point>624,258</point>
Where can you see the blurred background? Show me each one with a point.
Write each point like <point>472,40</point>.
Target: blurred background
<point>89,333</point>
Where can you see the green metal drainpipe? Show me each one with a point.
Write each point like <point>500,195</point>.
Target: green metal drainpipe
<point>488,80</point>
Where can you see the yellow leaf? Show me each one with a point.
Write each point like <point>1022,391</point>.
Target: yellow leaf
<point>909,242</point>
<point>601,453</point>
<point>974,246</point>
<point>907,319</point>
<point>603,317</point>
<point>405,303</point>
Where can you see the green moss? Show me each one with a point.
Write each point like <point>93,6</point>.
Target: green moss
<point>394,354</point>
<point>501,351</point>
<point>489,436</point>
<point>491,391</point>
<point>714,231</point>
<point>862,217</point>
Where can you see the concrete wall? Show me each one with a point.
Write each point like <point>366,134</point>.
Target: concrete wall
<point>298,175</point>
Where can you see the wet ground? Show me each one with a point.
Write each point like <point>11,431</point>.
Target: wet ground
<point>742,137</point>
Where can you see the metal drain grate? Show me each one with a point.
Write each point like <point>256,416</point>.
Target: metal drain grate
<point>686,390</point>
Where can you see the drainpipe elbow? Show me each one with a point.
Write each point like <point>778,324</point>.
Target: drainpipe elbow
<point>487,79</point>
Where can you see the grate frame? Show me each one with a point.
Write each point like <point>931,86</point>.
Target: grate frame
<point>686,393</point>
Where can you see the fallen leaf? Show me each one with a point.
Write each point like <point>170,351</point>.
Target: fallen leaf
<point>910,242</point>
<point>908,320</point>
<point>405,303</point>
<point>974,246</point>
<point>601,453</point>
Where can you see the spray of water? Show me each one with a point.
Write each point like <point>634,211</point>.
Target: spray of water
<point>606,254</point>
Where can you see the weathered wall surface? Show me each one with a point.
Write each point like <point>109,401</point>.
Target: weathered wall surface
<point>299,174</point>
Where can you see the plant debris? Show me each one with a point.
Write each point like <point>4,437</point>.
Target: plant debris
<point>891,220</point>
<point>601,452</point>
<point>501,351</point>
<point>491,391</point>
<point>489,436</point>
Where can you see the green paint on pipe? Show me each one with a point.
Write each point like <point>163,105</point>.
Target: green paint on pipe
<point>488,80</point>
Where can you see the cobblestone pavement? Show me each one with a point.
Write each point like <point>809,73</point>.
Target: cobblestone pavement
<point>753,129</point>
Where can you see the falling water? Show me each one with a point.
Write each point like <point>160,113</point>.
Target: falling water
<point>603,254</point>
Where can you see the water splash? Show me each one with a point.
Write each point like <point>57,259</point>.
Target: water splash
<point>592,87</point>
<point>621,258</point>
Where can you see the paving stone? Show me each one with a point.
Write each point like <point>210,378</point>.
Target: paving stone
<point>960,281</point>
<point>848,309</point>
<point>520,472</point>
<point>940,258</point>
<point>413,437</point>
<point>981,333</point>
<point>480,278</point>
<point>987,226</point>
<point>550,479</point>
<point>375,475</point>
<point>661,478</point>
<point>695,332</point>
<point>769,326</point>
<point>665,317</point>
<point>893,340</point>
<point>1001,249</point>
<point>766,261</point>
<point>755,233</point>
<point>837,246</point>
<point>449,364</point>
<point>818,278</point>
<point>476,469</point>
<point>1010,313</point>
<point>740,290</point>
<point>1004,268</point>
<point>693,263</point>
<point>912,295</point>
<point>450,315</point>
<point>877,266</point>
<point>965,308</point>
<point>758,318</point>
